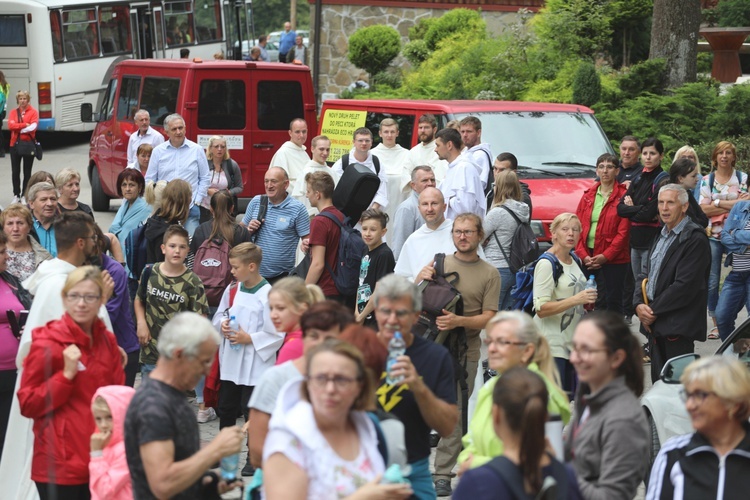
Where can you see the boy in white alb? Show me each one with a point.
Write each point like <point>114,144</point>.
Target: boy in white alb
<point>247,300</point>
<point>321,148</point>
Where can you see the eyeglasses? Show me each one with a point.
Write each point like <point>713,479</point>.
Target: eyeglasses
<point>698,396</point>
<point>503,342</point>
<point>465,232</point>
<point>76,297</point>
<point>584,352</point>
<point>401,313</point>
<point>339,381</point>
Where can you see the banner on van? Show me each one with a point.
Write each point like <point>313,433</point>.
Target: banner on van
<point>233,141</point>
<point>339,125</point>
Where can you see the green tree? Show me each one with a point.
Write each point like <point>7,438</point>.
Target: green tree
<point>734,13</point>
<point>270,15</point>
<point>631,26</point>
<point>372,48</point>
<point>587,87</point>
<point>574,29</point>
<point>454,21</point>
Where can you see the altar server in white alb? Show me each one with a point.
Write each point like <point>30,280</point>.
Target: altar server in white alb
<point>395,159</point>
<point>461,187</point>
<point>320,147</point>
<point>292,155</point>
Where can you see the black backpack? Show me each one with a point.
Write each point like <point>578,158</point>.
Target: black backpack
<point>524,247</point>
<point>351,250</point>
<point>345,163</point>
<point>438,294</point>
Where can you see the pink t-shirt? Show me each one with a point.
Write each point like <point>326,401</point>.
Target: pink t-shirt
<point>291,349</point>
<point>8,343</point>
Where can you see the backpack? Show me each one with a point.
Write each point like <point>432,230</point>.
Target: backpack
<point>522,292</point>
<point>438,294</point>
<point>524,247</point>
<point>712,178</point>
<point>490,181</point>
<point>136,249</point>
<point>211,265</point>
<point>554,487</point>
<point>262,209</point>
<point>345,163</point>
<point>351,250</point>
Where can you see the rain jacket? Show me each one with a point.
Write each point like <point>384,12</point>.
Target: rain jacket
<point>61,408</point>
<point>612,237</point>
<point>108,471</point>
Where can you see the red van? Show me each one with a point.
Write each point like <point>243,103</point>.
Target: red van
<point>556,144</point>
<point>249,103</point>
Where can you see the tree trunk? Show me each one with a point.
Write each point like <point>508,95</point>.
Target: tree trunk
<point>674,37</point>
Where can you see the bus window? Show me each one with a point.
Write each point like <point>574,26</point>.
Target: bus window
<point>127,105</point>
<point>222,105</point>
<point>159,97</point>
<point>108,103</point>
<point>12,31</point>
<point>80,33</point>
<point>208,21</point>
<point>114,24</point>
<point>179,18</point>
<point>57,43</point>
<point>279,102</point>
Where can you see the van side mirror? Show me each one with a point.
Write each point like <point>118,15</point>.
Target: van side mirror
<point>87,112</point>
<point>675,367</point>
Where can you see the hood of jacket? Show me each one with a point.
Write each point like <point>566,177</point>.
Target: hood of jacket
<point>118,398</point>
<point>156,226</point>
<point>519,208</point>
<point>46,269</point>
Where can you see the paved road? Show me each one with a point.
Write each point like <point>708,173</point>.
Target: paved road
<point>71,150</point>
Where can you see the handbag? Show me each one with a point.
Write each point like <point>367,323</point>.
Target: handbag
<point>27,148</point>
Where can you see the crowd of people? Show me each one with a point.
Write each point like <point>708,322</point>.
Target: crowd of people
<point>253,315</point>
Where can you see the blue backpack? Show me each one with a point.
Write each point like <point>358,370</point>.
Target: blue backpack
<point>135,250</point>
<point>522,292</point>
<point>351,250</point>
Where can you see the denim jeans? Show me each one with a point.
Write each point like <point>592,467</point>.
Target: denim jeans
<point>199,390</point>
<point>146,370</point>
<point>507,281</point>
<point>717,251</point>
<point>193,220</point>
<point>734,296</point>
<point>639,262</point>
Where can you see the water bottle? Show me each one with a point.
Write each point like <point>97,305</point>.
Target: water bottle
<point>590,285</point>
<point>233,326</point>
<point>228,466</point>
<point>396,348</point>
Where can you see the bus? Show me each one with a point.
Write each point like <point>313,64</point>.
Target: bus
<point>63,51</point>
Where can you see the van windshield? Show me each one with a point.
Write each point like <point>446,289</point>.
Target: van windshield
<point>547,144</point>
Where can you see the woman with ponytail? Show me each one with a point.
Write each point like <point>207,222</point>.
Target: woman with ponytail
<point>222,225</point>
<point>519,413</point>
<point>609,436</point>
<point>512,340</point>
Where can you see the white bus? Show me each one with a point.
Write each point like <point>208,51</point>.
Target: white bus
<point>63,51</point>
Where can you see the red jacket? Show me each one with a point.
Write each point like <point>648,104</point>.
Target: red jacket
<point>612,232</point>
<point>61,408</point>
<point>15,125</point>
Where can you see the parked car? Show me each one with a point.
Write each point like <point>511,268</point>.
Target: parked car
<point>665,411</point>
<point>271,48</point>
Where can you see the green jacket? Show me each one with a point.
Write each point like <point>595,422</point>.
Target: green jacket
<point>481,441</point>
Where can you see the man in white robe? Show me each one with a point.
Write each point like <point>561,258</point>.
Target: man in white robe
<point>395,159</point>
<point>461,187</point>
<point>320,148</point>
<point>292,155</point>
<point>424,152</point>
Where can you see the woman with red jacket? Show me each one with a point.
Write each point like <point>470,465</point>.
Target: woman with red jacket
<point>69,360</point>
<point>22,123</point>
<point>604,246</point>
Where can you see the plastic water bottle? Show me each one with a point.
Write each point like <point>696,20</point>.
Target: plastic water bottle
<point>590,285</point>
<point>233,326</point>
<point>228,466</point>
<point>396,348</point>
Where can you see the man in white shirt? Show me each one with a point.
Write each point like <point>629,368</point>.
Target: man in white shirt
<point>292,155</point>
<point>461,187</point>
<point>424,152</point>
<point>320,148</point>
<point>433,237</point>
<point>479,152</point>
<point>408,218</point>
<point>144,135</point>
<point>362,154</point>
<point>395,159</point>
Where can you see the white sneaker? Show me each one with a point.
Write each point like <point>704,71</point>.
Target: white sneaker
<point>206,415</point>
<point>23,200</point>
<point>15,199</point>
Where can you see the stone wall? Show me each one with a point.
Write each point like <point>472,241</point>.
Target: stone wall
<point>340,21</point>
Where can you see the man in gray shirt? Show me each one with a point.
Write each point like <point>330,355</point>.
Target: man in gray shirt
<point>407,218</point>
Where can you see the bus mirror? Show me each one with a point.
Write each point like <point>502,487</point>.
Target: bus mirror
<point>87,112</point>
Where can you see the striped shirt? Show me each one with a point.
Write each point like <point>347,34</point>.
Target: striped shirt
<point>741,262</point>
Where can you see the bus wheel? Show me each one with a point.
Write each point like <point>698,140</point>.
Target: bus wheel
<point>99,200</point>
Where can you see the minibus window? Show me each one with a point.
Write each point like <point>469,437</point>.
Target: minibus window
<point>107,107</point>
<point>279,102</point>
<point>221,105</point>
<point>159,97</point>
<point>127,105</point>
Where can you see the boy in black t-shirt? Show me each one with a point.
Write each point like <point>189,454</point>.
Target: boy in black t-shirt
<point>376,263</point>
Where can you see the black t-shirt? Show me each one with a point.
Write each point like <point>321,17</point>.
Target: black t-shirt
<point>627,174</point>
<point>159,412</point>
<point>375,264</point>
<point>433,363</point>
<point>82,207</point>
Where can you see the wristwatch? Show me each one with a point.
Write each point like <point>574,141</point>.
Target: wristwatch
<point>716,203</point>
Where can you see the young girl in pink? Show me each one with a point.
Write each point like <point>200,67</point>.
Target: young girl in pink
<point>108,469</point>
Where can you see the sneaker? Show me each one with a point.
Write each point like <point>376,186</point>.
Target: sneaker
<point>248,470</point>
<point>443,488</point>
<point>206,415</point>
<point>629,320</point>
<point>15,199</point>
<point>23,200</point>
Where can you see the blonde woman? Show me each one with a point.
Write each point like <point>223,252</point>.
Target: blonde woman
<point>288,299</point>
<point>22,123</point>
<point>225,175</point>
<point>68,182</point>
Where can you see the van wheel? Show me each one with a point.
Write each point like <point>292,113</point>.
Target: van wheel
<point>653,448</point>
<point>99,199</point>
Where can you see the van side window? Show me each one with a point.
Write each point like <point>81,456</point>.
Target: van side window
<point>222,105</point>
<point>279,102</point>
<point>159,97</point>
<point>108,104</point>
<point>127,105</point>
<point>405,127</point>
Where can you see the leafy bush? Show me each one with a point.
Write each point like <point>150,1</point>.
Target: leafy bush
<point>454,21</point>
<point>559,89</point>
<point>416,52</point>
<point>374,47</point>
<point>734,13</point>
<point>734,117</point>
<point>705,62</point>
<point>587,87</point>
<point>574,28</point>
<point>644,77</point>
<point>418,31</point>
<point>388,78</point>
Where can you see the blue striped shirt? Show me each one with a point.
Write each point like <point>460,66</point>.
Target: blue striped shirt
<point>188,162</point>
<point>280,233</point>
